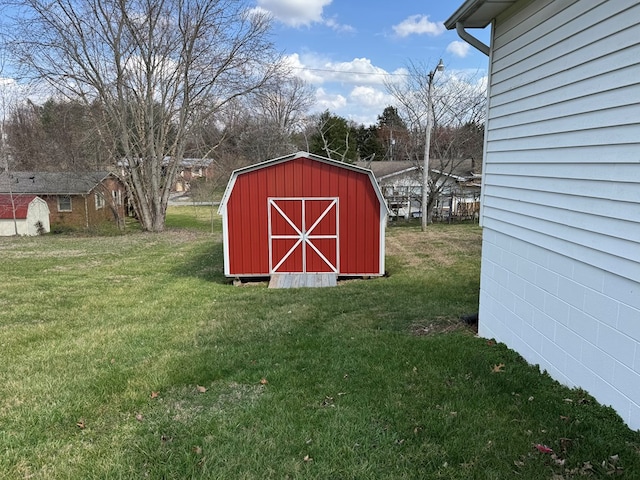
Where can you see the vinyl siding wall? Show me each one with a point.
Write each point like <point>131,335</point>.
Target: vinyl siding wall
<point>560,278</point>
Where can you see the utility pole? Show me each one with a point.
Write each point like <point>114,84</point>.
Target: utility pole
<point>427,145</point>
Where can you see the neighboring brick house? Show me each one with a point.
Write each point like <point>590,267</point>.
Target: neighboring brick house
<point>78,200</point>
<point>190,169</point>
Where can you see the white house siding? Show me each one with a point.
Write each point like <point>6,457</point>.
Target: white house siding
<point>560,278</point>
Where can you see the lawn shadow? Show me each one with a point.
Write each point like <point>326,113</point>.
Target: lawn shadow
<point>205,262</point>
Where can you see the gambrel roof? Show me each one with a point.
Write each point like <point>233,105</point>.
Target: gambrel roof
<point>18,204</point>
<point>384,169</point>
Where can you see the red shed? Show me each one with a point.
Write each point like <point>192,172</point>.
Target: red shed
<point>303,214</point>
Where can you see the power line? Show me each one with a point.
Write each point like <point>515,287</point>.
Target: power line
<point>351,72</point>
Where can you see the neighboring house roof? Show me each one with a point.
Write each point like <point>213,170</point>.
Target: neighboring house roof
<point>384,169</point>
<point>196,162</point>
<point>459,178</point>
<point>477,13</point>
<point>189,162</point>
<point>20,204</point>
<point>51,183</point>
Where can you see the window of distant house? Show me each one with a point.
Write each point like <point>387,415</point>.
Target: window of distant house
<point>64,203</point>
<point>99,200</point>
<point>116,196</point>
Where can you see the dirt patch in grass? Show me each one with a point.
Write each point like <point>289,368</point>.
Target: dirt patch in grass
<point>187,403</point>
<point>442,326</point>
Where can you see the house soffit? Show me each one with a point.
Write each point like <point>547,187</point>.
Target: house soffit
<point>477,13</point>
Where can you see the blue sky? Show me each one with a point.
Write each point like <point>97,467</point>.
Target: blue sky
<point>345,48</point>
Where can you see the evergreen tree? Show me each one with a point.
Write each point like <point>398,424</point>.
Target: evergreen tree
<point>334,138</point>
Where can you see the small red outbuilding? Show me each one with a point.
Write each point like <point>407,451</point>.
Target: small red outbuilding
<point>303,214</point>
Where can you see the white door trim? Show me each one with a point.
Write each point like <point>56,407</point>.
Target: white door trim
<point>303,236</point>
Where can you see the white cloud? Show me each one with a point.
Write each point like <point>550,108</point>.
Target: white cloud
<point>354,89</point>
<point>370,97</point>
<point>418,25</point>
<point>303,69</point>
<point>366,103</point>
<point>329,101</point>
<point>295,13</point>
<point>458,48</point>
<point>317,69</point>
<point>339,27</point>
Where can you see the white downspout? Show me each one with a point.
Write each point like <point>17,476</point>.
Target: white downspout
<point>471,40</point>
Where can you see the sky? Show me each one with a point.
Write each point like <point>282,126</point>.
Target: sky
<point>346,48</point>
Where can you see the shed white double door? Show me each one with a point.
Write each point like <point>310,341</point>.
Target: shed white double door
<point>303,235</point>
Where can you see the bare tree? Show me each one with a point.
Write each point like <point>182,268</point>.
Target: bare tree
<point>458,110</point>
<point>285,102</point>
<point>155,67</point>
<point>55,136</point>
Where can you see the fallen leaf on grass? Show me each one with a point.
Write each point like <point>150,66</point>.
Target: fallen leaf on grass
<point>543,448</point>
<point>139,417</point>
<point>565,443</point>
<point>201,389</point>
<point>499,368</point>
<point>586,468</point>
<point>307,458</point>
<point>328,402</point>
<point>81,425</point>
<point>155,394</point>
<point>263,381</point>
<point>612,466</point>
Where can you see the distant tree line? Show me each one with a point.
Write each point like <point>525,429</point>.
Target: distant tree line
<point>60,135</point>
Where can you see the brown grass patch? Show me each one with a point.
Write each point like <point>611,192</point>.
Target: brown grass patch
<point>437,247</point>
<point>441,326</point>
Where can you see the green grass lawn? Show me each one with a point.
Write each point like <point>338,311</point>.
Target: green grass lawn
<point>132,357</point>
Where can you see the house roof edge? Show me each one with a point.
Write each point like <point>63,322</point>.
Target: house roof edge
<point>477,13</point>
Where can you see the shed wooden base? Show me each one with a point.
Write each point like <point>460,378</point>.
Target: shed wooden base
<point>297,280</point>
